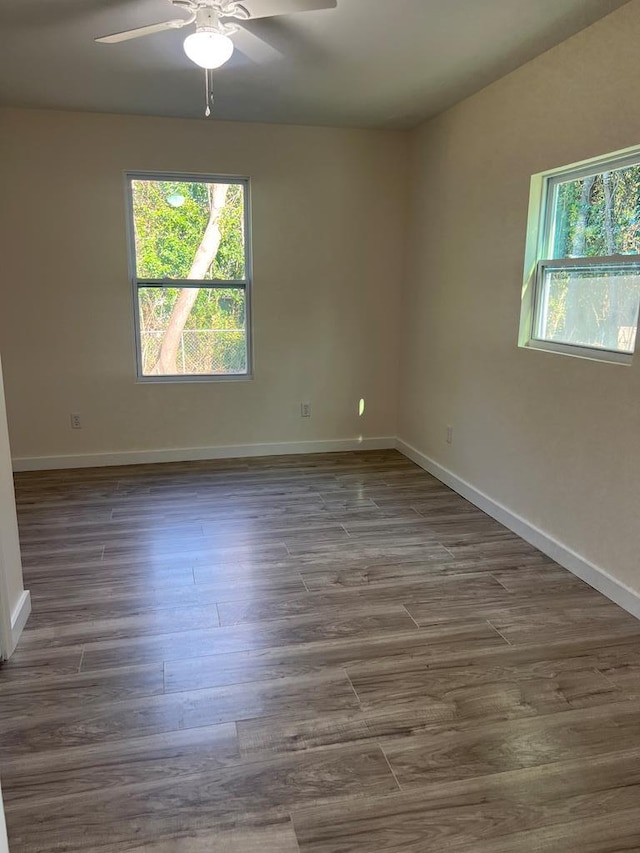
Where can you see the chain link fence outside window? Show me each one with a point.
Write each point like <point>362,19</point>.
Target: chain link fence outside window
<point>201,352</point>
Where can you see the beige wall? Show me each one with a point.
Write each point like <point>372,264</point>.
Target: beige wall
<point>553,438</point>
<point>11,589</point>
<point>328,210</point>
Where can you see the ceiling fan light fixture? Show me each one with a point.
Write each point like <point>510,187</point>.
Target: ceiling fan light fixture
<point>208,49</point>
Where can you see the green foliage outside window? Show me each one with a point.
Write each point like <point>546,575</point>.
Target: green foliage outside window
<point>170,221</point>
<point>599,215</point>
<point>595,216</point>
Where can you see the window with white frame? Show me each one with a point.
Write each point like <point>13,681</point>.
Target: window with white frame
<point>191,271</point>
<point>582,282</point>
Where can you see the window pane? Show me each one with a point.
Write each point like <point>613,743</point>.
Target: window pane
<point>598,215</point>
<point>212,341</point>
<point>192,230</point>
<point>590,307</point>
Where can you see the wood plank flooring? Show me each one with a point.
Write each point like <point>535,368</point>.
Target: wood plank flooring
<point>321,654</point>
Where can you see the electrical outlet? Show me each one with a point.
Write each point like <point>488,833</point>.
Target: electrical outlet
<point>76,420</point>
<point>305,410</point>
<point>449,435</point>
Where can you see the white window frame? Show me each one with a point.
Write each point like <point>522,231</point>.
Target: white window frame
<point>213,283</point>
<point>539,255</point>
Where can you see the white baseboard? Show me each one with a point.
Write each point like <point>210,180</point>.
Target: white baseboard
<point>595,576</point>
<point>192,454</point>
<point>19,617</point>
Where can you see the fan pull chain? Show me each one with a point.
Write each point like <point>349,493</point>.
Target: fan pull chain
<point>208,90</point>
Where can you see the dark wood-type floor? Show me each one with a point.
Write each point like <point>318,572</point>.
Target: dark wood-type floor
<point>330,654</point>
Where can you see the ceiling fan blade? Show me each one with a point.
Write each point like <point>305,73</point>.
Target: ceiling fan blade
<point>255,48</point>
<point>176,24</point>
<point>274,38</point>
<point>273,8</point>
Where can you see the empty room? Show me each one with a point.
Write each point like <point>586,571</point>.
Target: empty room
<point>319,419</point>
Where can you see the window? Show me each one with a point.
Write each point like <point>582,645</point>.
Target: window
<point>582,283</point>
<point>191,276</point>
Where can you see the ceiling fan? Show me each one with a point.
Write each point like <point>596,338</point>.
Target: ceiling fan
<point>211,46</point>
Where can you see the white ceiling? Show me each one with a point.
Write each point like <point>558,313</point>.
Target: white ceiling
<point>368,63</point>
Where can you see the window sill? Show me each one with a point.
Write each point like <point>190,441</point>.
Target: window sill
<point>189,380</point>
<point>585,353</point>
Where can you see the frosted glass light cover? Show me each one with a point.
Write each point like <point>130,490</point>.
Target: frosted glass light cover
<point>208,49</point>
